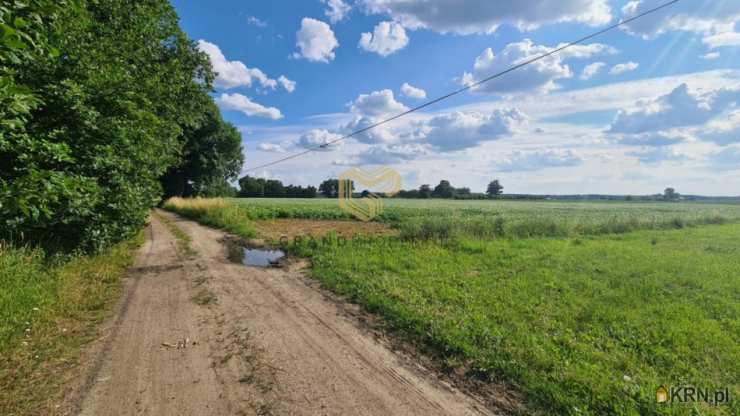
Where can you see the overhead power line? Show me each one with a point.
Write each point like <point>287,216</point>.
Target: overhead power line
<point>468,87</point>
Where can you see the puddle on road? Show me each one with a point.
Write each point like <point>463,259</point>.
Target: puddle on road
<point>261,258</point>
<point>246,254</point>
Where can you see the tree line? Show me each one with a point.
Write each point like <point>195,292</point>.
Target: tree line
<point>251,187</point>
<point>105,109</point>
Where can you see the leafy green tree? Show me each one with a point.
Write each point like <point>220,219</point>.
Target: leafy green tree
<point>100,99</point>
<point>443,190</point>
<point>329,188</point>
<point>465,192</point>
<point>274,188</point>
<point>425,191</point>
<point>251,187</point>
<point>212,156</point>
<point>494,188</point>
<point>292,191</point>
<point>670,194</point>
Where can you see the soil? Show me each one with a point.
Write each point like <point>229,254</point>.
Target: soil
<point>197,334</point>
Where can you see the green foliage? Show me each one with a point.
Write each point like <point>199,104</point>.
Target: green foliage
<point>214,212</point>
<point>670,194</point>
<point>330,187</point>
<point>583,327</point>
<point>96,96</point>
<point>445,219</point>
<point>47,309</point>
<point>212,155</point>
<point>494,188</point>
<point>443,190</point>
<point>272,188</point>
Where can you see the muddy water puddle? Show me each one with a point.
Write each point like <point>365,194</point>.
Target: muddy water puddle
<point>253,256</point>
<point>261,258</point>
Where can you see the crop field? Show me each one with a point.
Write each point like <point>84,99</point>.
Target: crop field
<point>436,218</point>
<point>585,308</point>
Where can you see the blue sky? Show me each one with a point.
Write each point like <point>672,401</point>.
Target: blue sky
<point>634,111</point>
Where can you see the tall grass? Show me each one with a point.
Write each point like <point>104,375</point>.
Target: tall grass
<point>214,212</point>
<point>48,309</point>
<point>443,219</point>
<point>581,326</point>
<point>541,225</point>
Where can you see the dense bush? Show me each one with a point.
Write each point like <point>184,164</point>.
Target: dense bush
<point>100,98</point>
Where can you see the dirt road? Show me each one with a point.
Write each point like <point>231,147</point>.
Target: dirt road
<point>199,335</point>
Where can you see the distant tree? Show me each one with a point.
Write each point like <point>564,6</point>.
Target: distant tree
<point>411,194</point>
<point>365,193</point>
<point>425,191</point>
<point>670,194</point>
<point>251,187</point>
<point>628,198</point>
<point>212,155</point>
<point>463,192</point>
<point>494,188</point>
<point>217,187</point>
<point>444,190</point>
<point>309,192</point>
<point>274,188</point>
<point>330,188</point>
<point>292,191</point>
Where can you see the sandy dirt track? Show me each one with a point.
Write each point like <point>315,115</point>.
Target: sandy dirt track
<point>199,335</point>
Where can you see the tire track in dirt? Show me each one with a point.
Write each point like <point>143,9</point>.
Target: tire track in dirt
<point>267,343</point>
<point>329,365</point>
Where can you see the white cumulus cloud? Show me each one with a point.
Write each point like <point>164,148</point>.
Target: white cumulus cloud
<point>537,160</point>
<point>238,102</point>
<point>485,16</point>
<point>271,147</point>
<point>591,70</point>
<point>232,74</point>
<point>337,10</point>
<point>377,104</point>
<point>413,92</point>
<point>681,107</point>
<point>724,130</point>
<point>286,83</point>
<point>254,21</point>
<point>462,130</point>
<point>657,139</point>
<point>387,38</point>
<point>371,108</point>
<point>315,41</point>
<point>656,155</point>
<point>539,76</point>
<point>623,67</point>
<point>722,39</point>
<point>699,16</point>
<point>320,140</point>
<point>726,159</point>
<point>390,154</point>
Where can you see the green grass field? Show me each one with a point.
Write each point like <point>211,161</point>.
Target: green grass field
<point>48,310</point>
<point>586,308</point>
